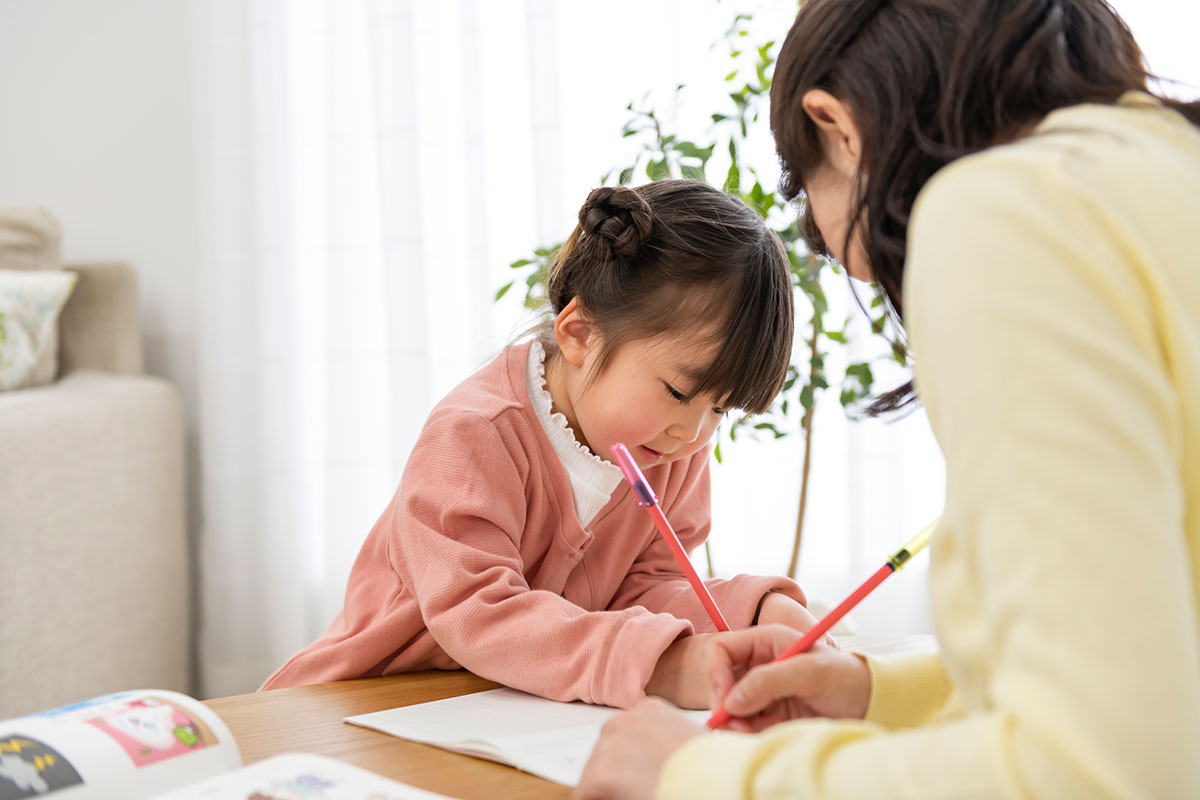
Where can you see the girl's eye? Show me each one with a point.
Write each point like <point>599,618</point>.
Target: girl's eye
<point>720,412</point>
<point>677,395</point>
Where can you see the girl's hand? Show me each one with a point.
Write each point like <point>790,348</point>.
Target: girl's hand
<point>633,747</point>
<point>682,672</point>
<point>823,682</point>
<point>778,608</point>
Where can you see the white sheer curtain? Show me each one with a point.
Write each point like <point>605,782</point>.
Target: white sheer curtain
<point>368,169</point>
<point>344,287</point>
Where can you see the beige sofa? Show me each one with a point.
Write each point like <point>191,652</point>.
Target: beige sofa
<point>94,583</point>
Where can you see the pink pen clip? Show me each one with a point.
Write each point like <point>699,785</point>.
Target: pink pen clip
<point>648,500</point>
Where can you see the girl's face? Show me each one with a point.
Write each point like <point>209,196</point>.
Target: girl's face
<point>637,399</point>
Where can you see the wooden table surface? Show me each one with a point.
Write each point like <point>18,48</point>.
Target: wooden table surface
<point>309,719</point>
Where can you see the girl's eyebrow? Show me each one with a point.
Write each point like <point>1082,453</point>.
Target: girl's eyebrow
<point>692,373</point>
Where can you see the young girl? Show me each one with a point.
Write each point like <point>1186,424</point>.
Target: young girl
<point>1000,169</point>
<point>513,547</point>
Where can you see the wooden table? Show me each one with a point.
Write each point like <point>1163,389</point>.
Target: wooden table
<point>309,719</point>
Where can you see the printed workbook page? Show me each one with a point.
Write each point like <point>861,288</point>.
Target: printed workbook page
<point>300,776</point>
<point>115,747</point>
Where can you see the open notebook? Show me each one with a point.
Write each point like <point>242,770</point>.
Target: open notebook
<point>549,739</point>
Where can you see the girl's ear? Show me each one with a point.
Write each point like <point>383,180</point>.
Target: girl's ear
<point>840,137</point>
<point>574,333</point>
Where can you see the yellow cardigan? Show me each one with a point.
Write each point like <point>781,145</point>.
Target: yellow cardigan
<point>1052,298</point>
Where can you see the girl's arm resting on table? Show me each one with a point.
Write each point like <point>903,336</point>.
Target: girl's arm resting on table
<point>1062,584</point>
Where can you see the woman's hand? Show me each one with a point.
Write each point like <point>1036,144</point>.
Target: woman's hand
<point>633,747</point>
<point>736,670</point>
<point>823,682</point>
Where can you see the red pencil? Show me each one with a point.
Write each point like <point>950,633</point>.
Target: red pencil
<point>898,560</point>
<point>649,500</point>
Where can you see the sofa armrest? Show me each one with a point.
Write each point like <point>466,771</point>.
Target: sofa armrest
<point>99,327</point>
<point>94,574</point>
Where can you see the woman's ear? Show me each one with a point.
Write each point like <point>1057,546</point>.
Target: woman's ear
<point>574,333</point>
<point>840,136</point>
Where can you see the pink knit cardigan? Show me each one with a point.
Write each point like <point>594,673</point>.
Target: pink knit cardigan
<point>479,561</point>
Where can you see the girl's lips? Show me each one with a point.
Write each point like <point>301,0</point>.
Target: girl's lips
<point>650,455</point>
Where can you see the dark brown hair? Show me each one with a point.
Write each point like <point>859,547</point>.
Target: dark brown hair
<point>930,81</point>
<point>674,255</point>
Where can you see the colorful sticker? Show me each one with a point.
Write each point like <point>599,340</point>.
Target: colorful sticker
<point>152,729</point>
<point>29,768</point>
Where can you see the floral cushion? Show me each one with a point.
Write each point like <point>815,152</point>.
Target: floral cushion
<point>30,302</point>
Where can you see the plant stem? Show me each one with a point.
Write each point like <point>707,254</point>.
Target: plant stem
<point>807,424</point>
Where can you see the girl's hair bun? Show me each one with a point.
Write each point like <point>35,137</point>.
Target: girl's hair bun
<point>617,220</point>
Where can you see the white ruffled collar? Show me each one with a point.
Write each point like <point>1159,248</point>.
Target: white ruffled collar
<point>592,478</point>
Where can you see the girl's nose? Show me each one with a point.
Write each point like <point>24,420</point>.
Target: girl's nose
<point>688,426</point>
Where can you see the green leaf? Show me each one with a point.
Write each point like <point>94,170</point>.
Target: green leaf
<point>731,75</point>
<point>877,301</point>
<point>862,373</point>
<point>696,173</point>
<point>692,150</point>
<point>626,175</point>
<point>717,451</point>
<point>806,398</point>
<point>733,179</point>
<point>503,290</point>
<point>521,262</point>
<point>657,169</point>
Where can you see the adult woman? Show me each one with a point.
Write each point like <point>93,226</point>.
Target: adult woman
<point>1000,169</point>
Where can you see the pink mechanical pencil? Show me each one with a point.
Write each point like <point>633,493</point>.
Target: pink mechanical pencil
<point>648,500</point>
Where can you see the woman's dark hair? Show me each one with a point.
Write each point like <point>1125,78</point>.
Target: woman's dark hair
<point>930,81</point>
<point>672,255</point>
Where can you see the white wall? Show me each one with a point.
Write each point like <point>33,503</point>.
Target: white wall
<point>97,126</point>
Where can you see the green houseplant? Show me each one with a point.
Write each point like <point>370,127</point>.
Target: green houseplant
<point>665,154</point>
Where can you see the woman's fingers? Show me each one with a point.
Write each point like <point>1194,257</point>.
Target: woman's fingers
<point>770,683</point>
<point>738,652</point>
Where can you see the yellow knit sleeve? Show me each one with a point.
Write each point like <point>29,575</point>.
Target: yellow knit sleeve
<point>907,690</point>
